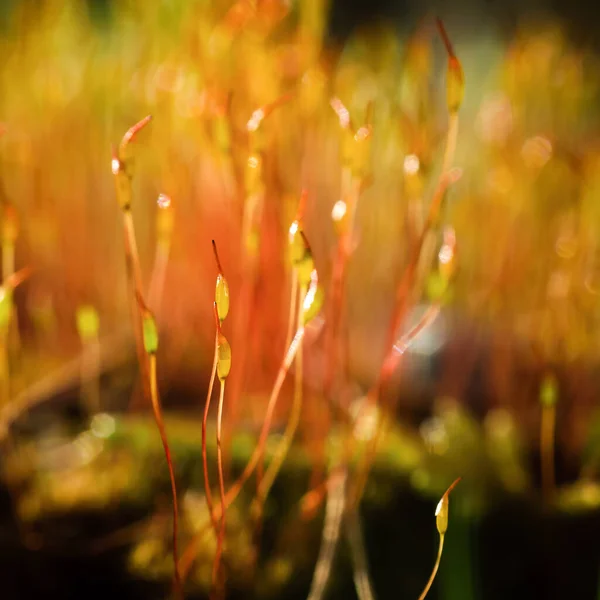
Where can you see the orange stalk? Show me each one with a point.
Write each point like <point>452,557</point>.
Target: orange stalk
<point>194,546</point>
<point>163,436</point>
<point>207,491</point>
<point>221,536</point>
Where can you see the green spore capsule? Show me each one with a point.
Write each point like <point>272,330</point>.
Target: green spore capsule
<point>222,297</point>
<point>88,322</point>
<point>150,333</point>
<point>549,391</point>
<point>5,307</point>
<point>223,358</point>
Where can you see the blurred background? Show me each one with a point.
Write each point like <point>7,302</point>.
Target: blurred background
<point>338,115</point>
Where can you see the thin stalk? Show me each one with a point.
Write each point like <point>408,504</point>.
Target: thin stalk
<point>133,249</point>
<point>334,512</point>
<point>445,178</point>
<point>338,280</point>
<point>221,310</point>
<point>435,568</point>
<point>451,138</point>
<point>207,491</point>
<point>4,372</point>
<point>292,313</point>
<point>8,312</point>
<point>391,363</point>
<point>193,547</point>
<point>288,436</point>
<point>8,259</point>
<point>441,522</point>
<point>350,191</point>
<point>90,375</point>
<point>163,436</point>
<point>360,571</point>
<point>120,168</point>
<point>221,536</point>
<point>547,436</point>
<point>403,298</point>
<point>313,498</point>
<point>157,280</point>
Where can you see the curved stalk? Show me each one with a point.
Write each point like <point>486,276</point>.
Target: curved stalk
<point>288,436</point>
<point>163,436</point>
<point>447,176</point>
<point>207,491</point>
<point>360,570</point>
<point>221,536</point>
<point>334,512</point>
<point>311,305</point>
<point>193,547</point>
<point>435,568</point>
<point>390,364</point>
<point>120,166</point>
<point>292,313</point>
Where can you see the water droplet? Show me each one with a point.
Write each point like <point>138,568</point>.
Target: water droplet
<point>411,164</point>
<point>163,201</point>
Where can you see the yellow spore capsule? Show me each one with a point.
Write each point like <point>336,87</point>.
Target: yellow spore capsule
<point>150,334</point>
<point>223,358</point>
<point>297,247</point>
<point>441,515</point>
<point>300,254</point>
<point>122,184</point>
<point>6,306</point>
<point>222,297</point>
<point>549,391</point>
<point>312,304</point>
<point>441,511</point>
<point>121,164</point>
<point>88,322</point>
<point>455,84</point>
<point>361,152</point>
<point>305,267</point>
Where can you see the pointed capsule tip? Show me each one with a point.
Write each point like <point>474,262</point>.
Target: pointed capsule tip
<point>445,38</point>
<point>453,485</point>
<point>215,252</point>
